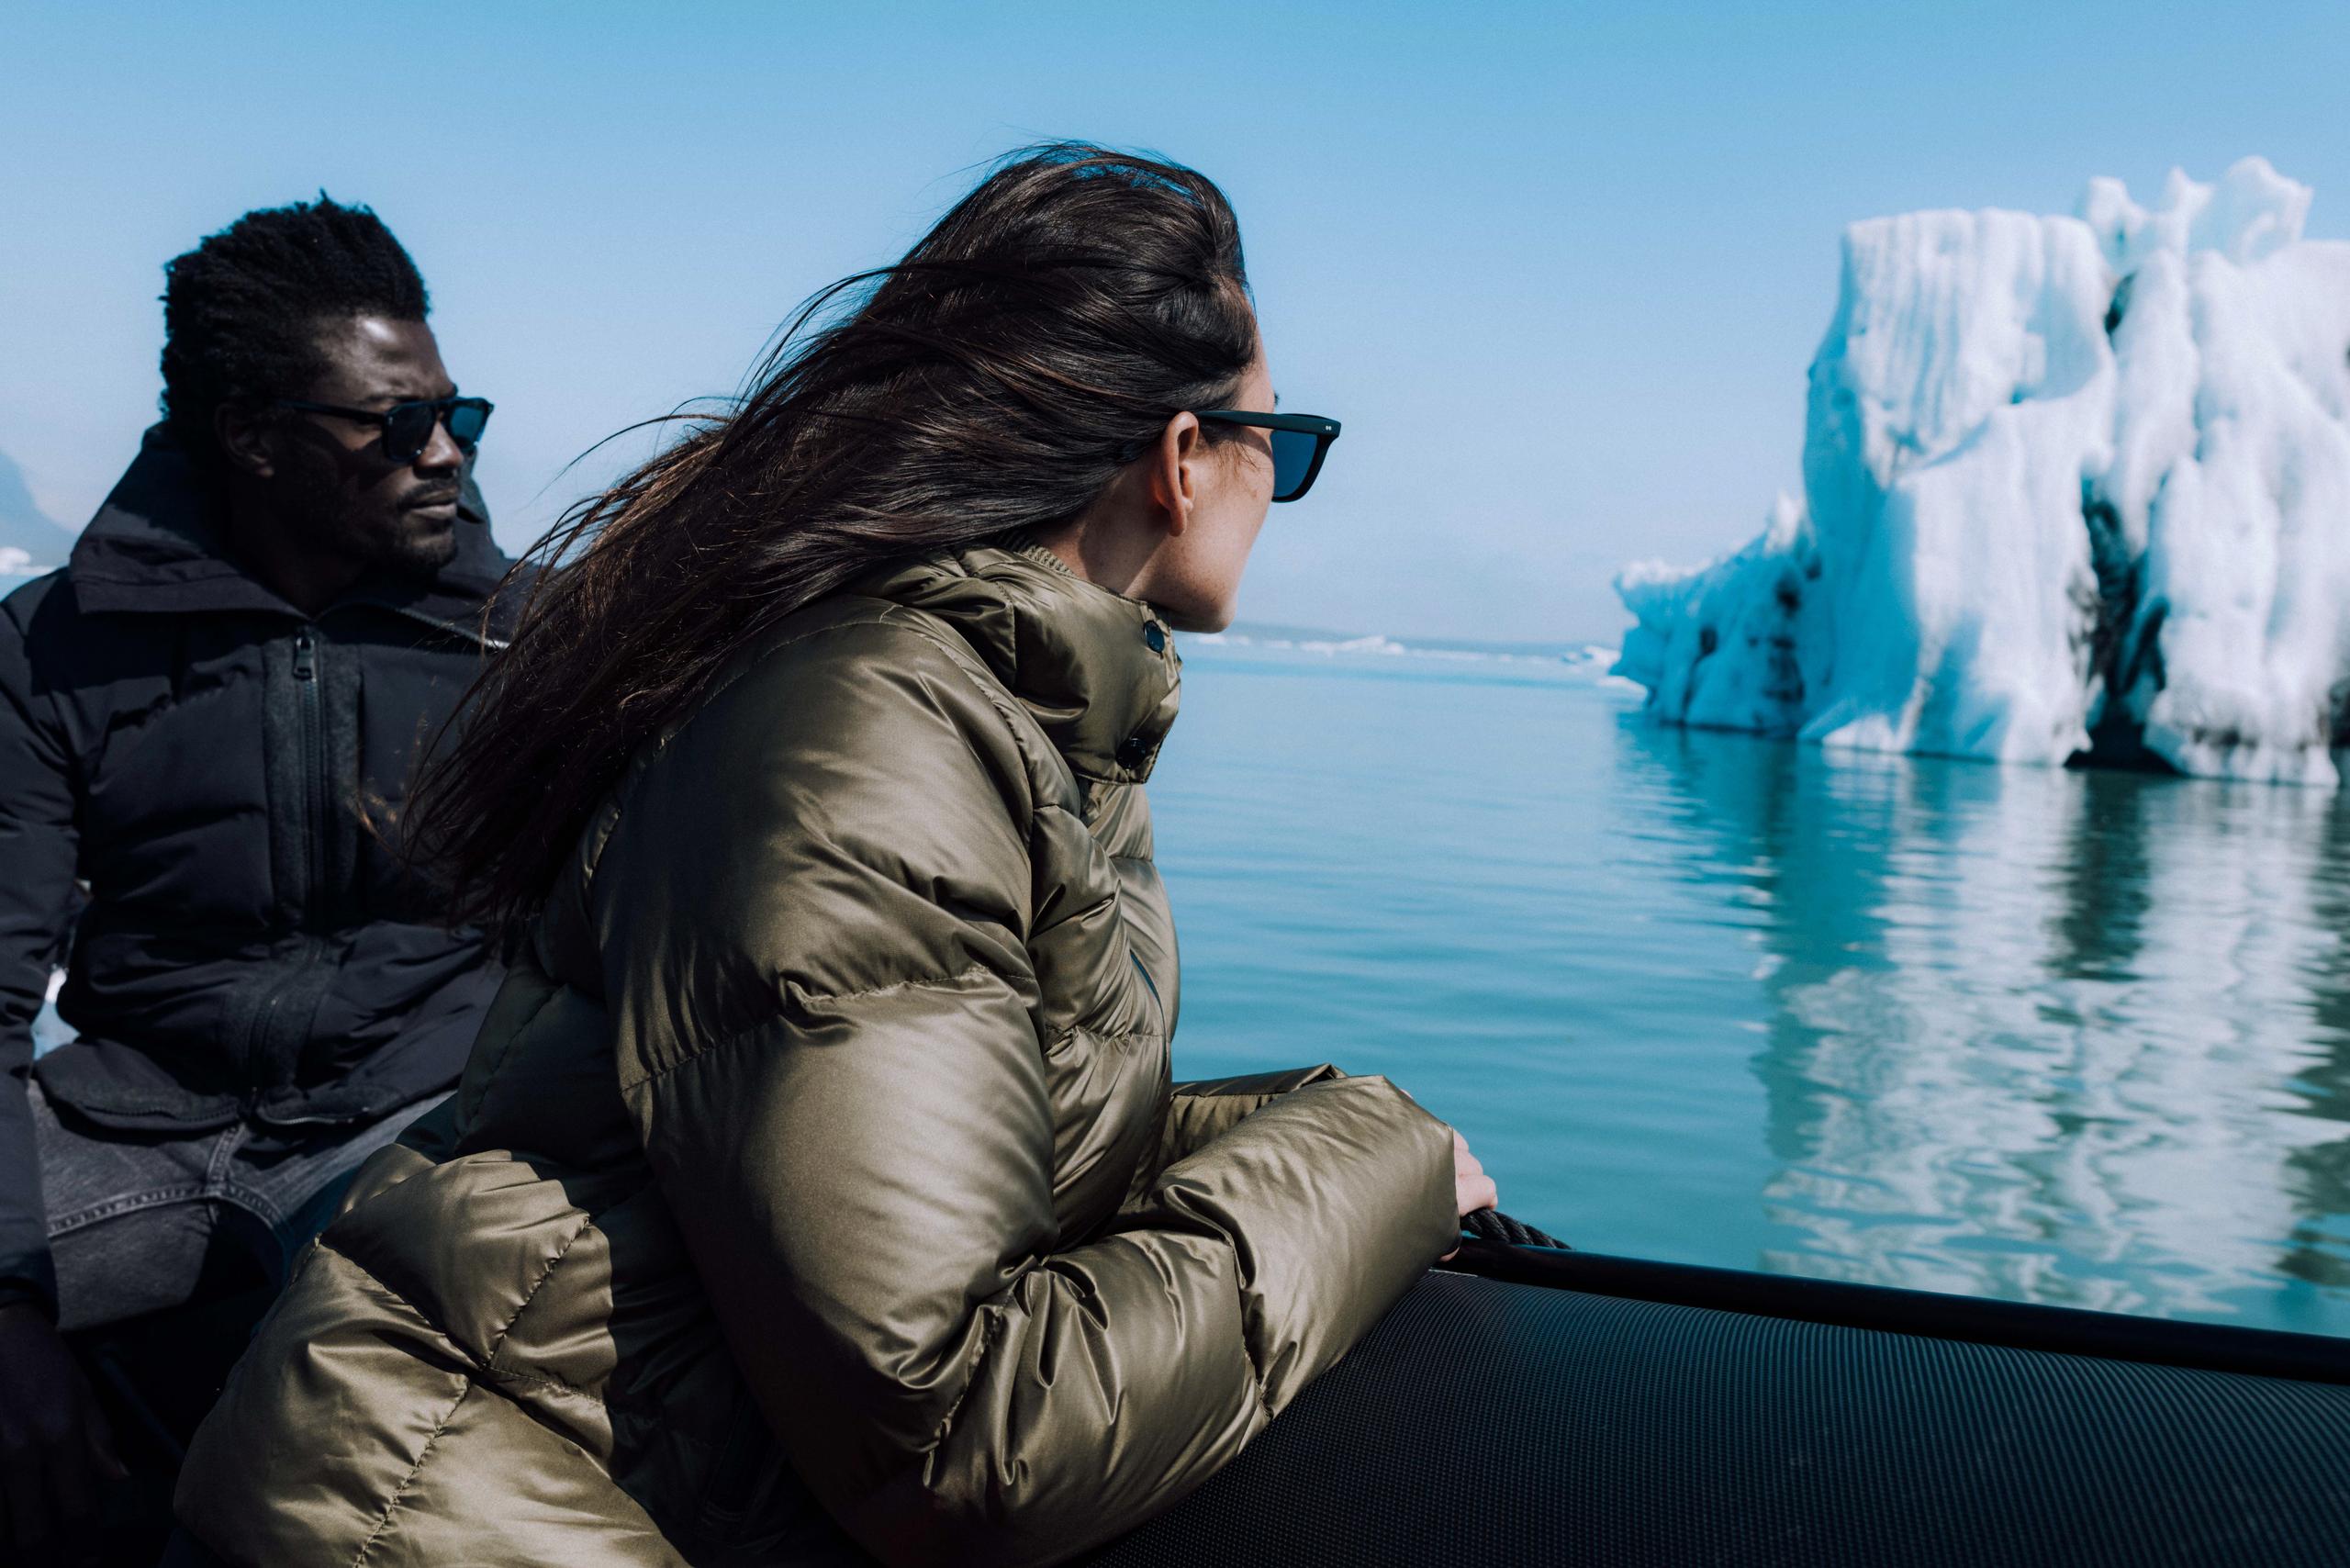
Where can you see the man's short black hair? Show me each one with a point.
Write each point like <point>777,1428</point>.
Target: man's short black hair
<point>240,309</point>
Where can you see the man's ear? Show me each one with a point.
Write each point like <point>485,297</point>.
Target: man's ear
<point>1173,477</point>
<point>244,435</point>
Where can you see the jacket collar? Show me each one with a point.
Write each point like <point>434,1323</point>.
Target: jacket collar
<point>156,547</point>
<point>1097,670</point>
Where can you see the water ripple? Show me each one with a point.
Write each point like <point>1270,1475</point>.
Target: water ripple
<point>2072,1037</point>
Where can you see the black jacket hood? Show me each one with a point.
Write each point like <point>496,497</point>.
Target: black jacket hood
<point>156,547</point>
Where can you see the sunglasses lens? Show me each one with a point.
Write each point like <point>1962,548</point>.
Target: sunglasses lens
<point>407,429</point>
<point>1292,461</point>
<point>467,419</point>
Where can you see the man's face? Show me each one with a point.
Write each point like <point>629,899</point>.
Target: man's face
<point>330,479</point>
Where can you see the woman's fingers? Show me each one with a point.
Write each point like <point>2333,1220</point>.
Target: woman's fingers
<point>1476,1193</point>
<point>1471,1186</point>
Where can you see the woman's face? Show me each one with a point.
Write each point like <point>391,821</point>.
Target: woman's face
<point>1223,487</point>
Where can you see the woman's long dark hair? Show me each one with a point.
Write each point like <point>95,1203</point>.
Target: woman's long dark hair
<point>993,380</point>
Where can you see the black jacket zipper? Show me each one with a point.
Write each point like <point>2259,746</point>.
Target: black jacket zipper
<point>262,1048</point>
<point>307,684</point>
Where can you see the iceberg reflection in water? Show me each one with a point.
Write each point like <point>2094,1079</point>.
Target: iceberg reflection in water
<point>2064,1036</point>
<point>2070,1037</point>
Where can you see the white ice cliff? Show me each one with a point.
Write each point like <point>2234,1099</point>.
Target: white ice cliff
<point>2071,484</point>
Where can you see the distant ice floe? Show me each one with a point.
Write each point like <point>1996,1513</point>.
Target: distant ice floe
<point>15,563</point>
<point>1325,645</point>
<point>1590,660</point>
<point>2071,484</point>
<point>1385,647</point>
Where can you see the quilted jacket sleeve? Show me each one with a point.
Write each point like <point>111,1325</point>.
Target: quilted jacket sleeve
<point>1206,1109</point>
<point>36,863</point>
<point>816,937</point>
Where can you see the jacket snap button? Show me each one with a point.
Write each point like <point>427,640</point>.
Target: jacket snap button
<point>1155,637</point>
<point>1131,750</point>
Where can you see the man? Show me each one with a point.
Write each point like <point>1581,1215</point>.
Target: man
<point>207,721</point>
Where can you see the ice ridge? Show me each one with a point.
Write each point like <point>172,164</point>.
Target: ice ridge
<point>2073,486</point>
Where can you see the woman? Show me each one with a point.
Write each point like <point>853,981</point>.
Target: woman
<point>818,1169</point>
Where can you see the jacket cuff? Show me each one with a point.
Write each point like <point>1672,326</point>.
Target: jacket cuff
<point>1335,1197</point>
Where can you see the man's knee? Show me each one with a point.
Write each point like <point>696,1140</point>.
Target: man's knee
<point>128,1264</point>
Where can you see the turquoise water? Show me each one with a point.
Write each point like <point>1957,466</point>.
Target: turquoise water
<point>2071,1038</point>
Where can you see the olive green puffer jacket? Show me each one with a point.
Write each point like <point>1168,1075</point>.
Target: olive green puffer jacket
<point>819,1170</point>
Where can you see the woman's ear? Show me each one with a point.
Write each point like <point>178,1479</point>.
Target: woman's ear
<point>244,436</point>
<point>1174,471</point>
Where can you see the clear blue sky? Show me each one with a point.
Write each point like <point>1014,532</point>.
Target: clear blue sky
<point>1560,268</point>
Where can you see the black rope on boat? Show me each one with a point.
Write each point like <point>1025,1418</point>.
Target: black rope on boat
<point>1492,1225</point>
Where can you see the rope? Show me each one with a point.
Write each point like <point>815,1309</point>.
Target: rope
<point>1492,1225</point>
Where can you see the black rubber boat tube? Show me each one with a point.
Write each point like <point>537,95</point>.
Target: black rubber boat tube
<point>2311,1358</point>
<point>1558,1409</point>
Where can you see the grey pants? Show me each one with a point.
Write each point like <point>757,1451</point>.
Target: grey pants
<point>133,1216</point>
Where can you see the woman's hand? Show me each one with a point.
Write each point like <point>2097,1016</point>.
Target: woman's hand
<point>1471,1188</point>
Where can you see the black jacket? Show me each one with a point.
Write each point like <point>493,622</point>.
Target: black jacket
<point>195,751</point>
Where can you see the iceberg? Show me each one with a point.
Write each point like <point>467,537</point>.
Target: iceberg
<point>2072,487</point>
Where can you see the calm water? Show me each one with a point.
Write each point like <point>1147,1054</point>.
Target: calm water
<point>2081,1038</point>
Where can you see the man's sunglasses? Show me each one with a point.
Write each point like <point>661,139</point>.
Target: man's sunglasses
<point>407,427</point>
<point>1299,442</point>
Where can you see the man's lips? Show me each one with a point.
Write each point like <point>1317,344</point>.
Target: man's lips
<point>440,508</point>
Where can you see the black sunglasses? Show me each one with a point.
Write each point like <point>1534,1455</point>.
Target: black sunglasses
<point>1300,442</point>
<point>407,427</point>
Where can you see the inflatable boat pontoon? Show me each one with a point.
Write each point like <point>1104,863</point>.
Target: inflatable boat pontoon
<point>1529,1406</point>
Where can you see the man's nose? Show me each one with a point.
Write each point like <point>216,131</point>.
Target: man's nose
<point>442,451</point>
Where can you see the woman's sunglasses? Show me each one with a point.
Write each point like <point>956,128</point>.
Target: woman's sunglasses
<point>1300,442</point>
<point>407,427</point>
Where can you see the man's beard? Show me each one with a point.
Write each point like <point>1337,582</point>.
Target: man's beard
<point>393,542</point>
<point>409,554</point>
